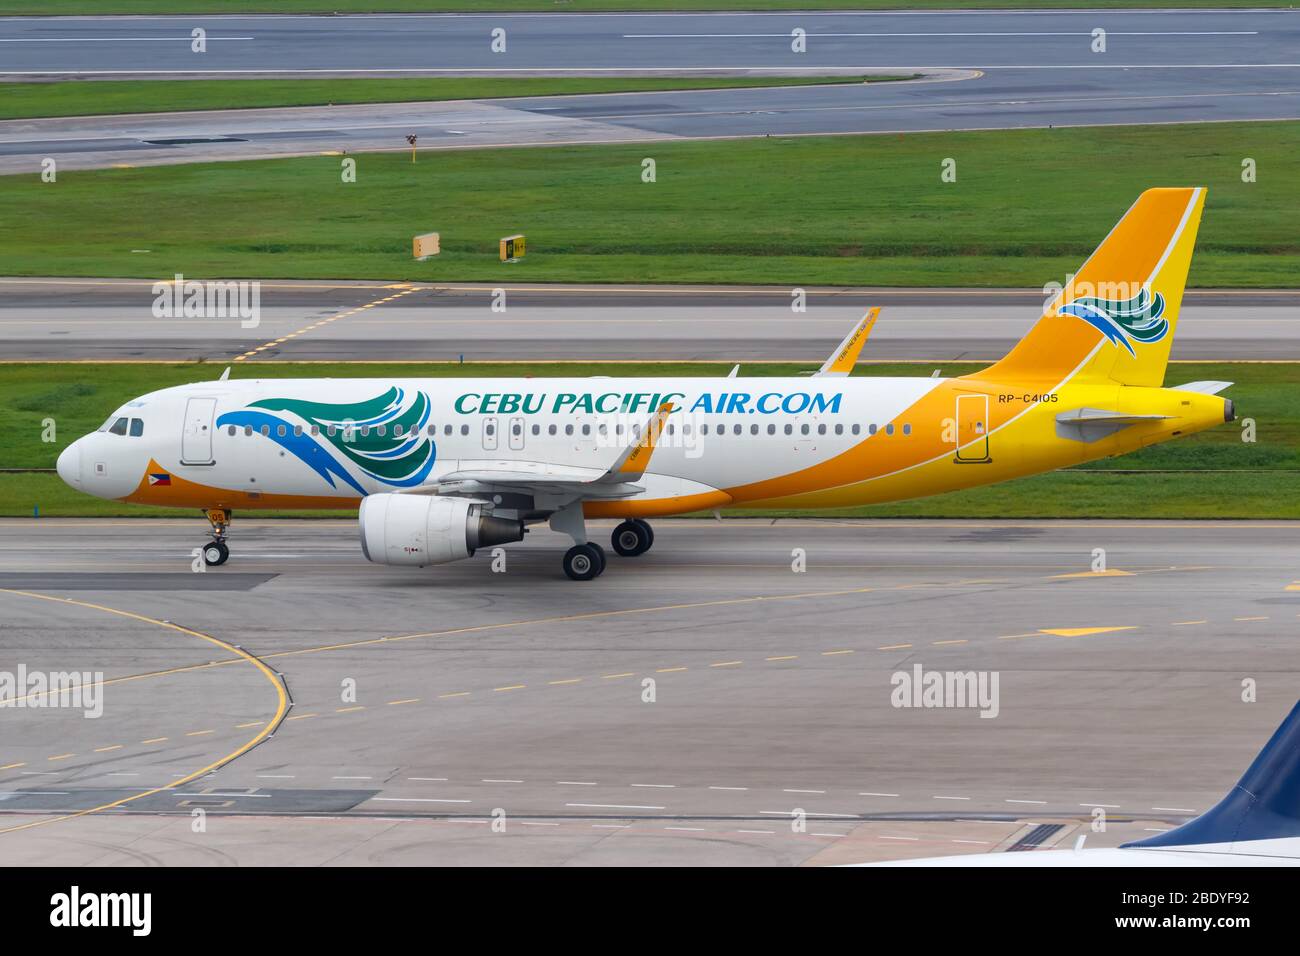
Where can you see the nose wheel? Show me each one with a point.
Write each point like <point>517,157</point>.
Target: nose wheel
<point>216,551</point>
<point>632,538</point>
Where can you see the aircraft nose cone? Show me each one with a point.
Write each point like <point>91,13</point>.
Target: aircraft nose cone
<point>69,464</point>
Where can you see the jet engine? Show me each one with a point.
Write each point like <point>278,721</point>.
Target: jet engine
<point>425,529</point>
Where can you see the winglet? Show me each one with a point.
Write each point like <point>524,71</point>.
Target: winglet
<point>632,464</point>
<point>1264,805</point>
<point>846,353</point>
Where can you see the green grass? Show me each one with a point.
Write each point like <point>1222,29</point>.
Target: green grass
<point>1213,474</point>
<point>105,7</point>
<point>101,97</point>
<point>1028,207</point>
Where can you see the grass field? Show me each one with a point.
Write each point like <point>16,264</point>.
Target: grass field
<point>103,7</point>
<point>81,98</point>
<point>1213,474</point>
<point>1027,207</point>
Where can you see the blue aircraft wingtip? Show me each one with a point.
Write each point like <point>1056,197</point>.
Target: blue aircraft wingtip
<point>1264,805</point>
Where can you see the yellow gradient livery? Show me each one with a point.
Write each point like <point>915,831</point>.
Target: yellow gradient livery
<point>442,467</point>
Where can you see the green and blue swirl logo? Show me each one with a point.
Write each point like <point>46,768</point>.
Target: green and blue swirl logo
<point>1123,321</point>
<point>383,437</point>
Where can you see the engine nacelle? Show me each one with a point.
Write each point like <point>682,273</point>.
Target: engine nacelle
<point>425,529</point>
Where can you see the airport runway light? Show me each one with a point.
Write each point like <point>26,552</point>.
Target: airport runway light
<point>411,138</point>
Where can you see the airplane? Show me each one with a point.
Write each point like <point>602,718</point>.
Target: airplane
<point>1256,824</point>
<point>439,468</point>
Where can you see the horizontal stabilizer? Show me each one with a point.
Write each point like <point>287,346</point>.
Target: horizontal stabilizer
<point>1204,388</point>
<point>1093,424</point>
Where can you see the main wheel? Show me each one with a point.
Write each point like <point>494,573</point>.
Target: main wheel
<point>215,553</point>
<point>583,562</point>
<point>632,538</point>
<point>600,553</point>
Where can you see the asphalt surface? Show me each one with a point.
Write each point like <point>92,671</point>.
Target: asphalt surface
<point>984,70</point>
<point>1060,41</point>
<point>75,319</point>
<point>519,697</point>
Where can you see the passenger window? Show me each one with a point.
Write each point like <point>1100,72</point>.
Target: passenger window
<point>857,429</point>
<point>586,429</point>
<point>550,430</point>
<point>789,429</point>
<point>771,429</point>
<point>839,429</point>
<point>516,429</point>
<point>248,430</point>
<point>297,431</point>
<point>137,427</point>
<point>537,429</point>
<point>804,429</point>
<point>330,430</point>
<point>568,429</point>
<point>464,429</point>
<point>736,429</point>
<point>821,429</point>
<point>230,430</point>
<point>279,430</point>
<point>671,430</point>
<point>381,430</point>
<point>449,429</point>
<point>907,429</point>
<point>753,429</point>
<point>871,430</point>
<point>119,427</point>
<point>266,430</point>
<point>889,429</point>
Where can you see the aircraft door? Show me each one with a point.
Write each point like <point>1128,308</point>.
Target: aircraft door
<point>516,434</point>
<point>972,438</point>
<point>196,438</point>
<point>490,438</point>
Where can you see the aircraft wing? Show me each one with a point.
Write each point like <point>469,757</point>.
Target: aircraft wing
<point>484,476</point>
<point>1256,824</point>
<point>846,353</point>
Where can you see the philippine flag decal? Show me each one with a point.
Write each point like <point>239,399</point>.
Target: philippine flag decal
<point>159,478</point>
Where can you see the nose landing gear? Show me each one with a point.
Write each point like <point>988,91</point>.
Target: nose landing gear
<point>216,551</point>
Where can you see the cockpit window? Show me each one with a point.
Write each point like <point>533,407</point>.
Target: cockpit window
<point>137,427</point>
<point>119,427</point>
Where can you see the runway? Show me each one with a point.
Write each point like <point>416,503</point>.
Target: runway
<point>429,705</point>
<point>982,70</point>
<point>1061,41</point>
<point>110,320</point>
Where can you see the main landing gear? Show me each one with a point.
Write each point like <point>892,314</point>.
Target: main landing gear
<point>632,538</point>
<point>586,560</point>
<point>215,552</point>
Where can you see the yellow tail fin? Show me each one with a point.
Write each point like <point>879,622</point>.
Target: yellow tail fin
<point>1116,318</point>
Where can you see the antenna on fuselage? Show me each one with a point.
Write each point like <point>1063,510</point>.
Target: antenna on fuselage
<point>225,375</point>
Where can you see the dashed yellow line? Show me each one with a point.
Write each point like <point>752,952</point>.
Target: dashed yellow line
<point>727,664</point>
<point>784,657</point>
<point>154,740</point>
<point>60,757</point>
<point>511,687</point>
<point>669,670</point>
<point>459,693</point>
<point>940,643</point>
<point>14,766</point>
<point>617,676</point>
<point>404,700</point>
<point>349,710</point>
<point>1250,618</point>
<point>320,322</point>
<point>200,733</point>
<point>1187,623</point>
<point>894,647</point>
<point>100,750</point>
<point>834,653</point>
<point>301,717</point>
<point>567,680</point>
